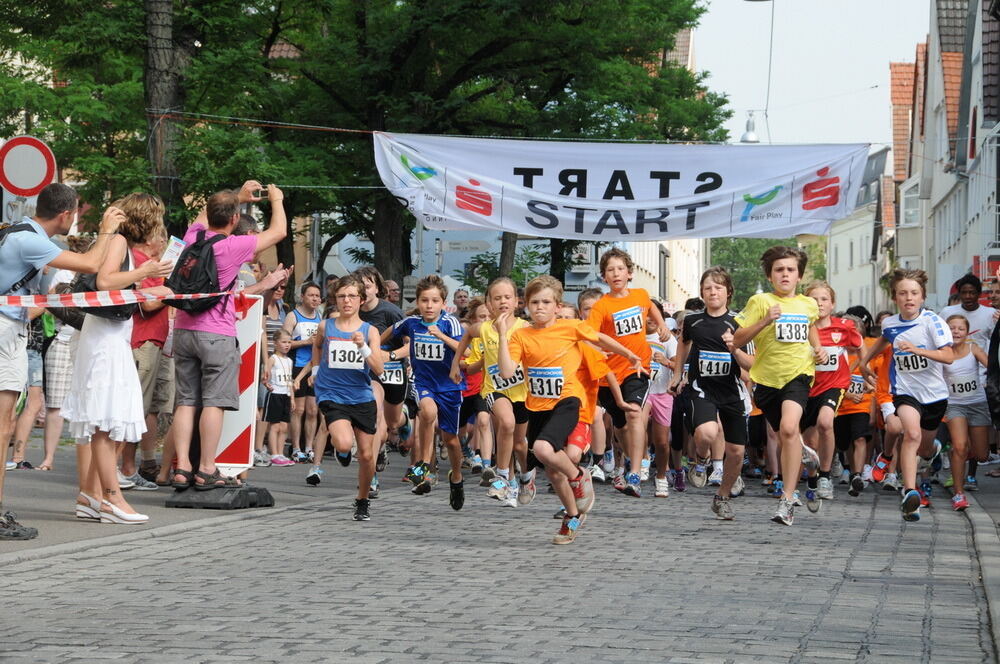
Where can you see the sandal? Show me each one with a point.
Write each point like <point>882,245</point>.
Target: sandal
<point>44,466</point>
<point>214,481</point>
<point>994,473</point>
<point>188,477</point>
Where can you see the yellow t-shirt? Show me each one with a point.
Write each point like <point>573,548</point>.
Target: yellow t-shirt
<point>513,388</point>
<point>783,349</point>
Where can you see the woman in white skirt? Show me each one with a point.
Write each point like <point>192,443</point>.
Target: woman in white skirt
<point>104,405</point>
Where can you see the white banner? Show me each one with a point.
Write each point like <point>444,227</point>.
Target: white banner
<point>621,191</point>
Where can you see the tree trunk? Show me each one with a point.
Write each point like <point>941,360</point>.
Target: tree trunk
<point>391,240</point>
<point>162,78</point>
<point>508,250</point>
<point>557,258</point>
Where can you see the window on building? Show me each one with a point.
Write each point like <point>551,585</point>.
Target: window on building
<point>972,133</point>
<point>836,259</point>
<point>911,206</point>
<point>664,272</point>
<point>850,255</point>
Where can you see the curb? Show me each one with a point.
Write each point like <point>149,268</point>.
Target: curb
<point>987,543</point>
<point>149,533</point>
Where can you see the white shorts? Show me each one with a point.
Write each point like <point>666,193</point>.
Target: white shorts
<point>13,355</point>
<point>887,409</point>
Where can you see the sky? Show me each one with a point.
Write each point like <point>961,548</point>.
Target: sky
<point>830,71</point>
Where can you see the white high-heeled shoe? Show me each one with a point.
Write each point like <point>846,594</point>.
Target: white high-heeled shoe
<point>91,511</point>
<point>116,515</point>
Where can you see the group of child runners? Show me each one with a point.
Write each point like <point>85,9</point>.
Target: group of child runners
<point>610,388</point>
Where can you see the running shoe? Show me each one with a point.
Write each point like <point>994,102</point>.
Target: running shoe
<point>315,476</point>
<point>739,488</point>
<point>836,468</point>
<point>10,465</point>
<point>778,489</point>
<point>124,483</point>
<point>923,464</point>
<point>415,475</point>
<point>261,459</point>
<point>697,476</point>
<point>477,465</point>
<point>971,484</point>
<point>568,530</point>
<point>433,478</point>
<point>785,513</point>
<point>949,482</point>
<point>456,493</point>
<point>756,473</point>
<point>597,473</point>
<point>813,501</point>
<point>810,460</point>
<point>561,514</point>
<point>662,489</point>
<point>796,499</point>
<point>866,473</point>
<point>527,490</point>
<point>680,483</point>
<point>619,483</point>
<point>486,479</point>
<point>361,510</point>
<point>723,508</point>
<point>509,499</point>
<point>382,460</point>
<point>824,488</point>
<point>857,486</point>
<point>141,483</point>
<point>926,489</point>
<point>583,492</point>
<point>310,456</point>
<point>633,487</point>
<point>421,489</point>
<point>845,476</point>
<point>10,529</point>
<point>373,490</point>
<point>715,479</point>
<point>281,460</point>
<point>344,459</point>
<point>298,456</point>
<point>881,468</point>
<point>891,482</point>
<point>959,502</point>
<point>644,470</point>
<point>910,505</point>
<point>497,488</point>
<point>925,500</point>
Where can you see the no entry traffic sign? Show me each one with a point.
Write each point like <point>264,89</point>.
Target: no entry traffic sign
<point>27,165</point>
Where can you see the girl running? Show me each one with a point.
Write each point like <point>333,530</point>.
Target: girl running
<point>968,413</point>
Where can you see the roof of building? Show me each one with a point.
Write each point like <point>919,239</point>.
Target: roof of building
<point>951,16</point>
<point>888,203</point>
<point>283,49</point>
<point>901,94</point>
<point>951,64</point>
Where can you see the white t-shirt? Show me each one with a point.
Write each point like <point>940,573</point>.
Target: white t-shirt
<point>281,375</point>
<point>965,384</point>
<point>980,322</point>
<point>661,375</point>
<point>66,332</point>
<point>911,374</point>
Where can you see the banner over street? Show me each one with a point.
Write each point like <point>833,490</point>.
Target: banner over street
<point>621,191</point>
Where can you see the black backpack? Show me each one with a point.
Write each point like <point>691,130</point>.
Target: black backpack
<point>195,272</point>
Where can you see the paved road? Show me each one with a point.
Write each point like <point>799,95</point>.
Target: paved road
<point>647,580</point>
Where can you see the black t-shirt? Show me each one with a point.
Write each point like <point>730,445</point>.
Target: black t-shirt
<point>713,373</point>
<point>383,316</point>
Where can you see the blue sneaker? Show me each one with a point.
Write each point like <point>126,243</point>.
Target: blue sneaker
<point>971,484</point>
<point>632,485</point>
<point>777,489</point>
<point>344,459</point>
<point>315,476</point>
<point>910,505</point>
<point>813,502</point>
<point>925,487</point>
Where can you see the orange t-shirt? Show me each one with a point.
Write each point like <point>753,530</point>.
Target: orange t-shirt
<point>880,365</point>
<point>551,358</point>
<point>857,386</point>
<point>593,371</point>
<point>624,320</point>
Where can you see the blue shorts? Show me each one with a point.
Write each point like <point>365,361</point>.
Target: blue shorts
<point>36,373</point>
<point>449,405</point>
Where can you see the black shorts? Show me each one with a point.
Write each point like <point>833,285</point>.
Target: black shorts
<point>553,426</point>
<point>277,408</point>
<point>395,394</point>
<point>830,399</point>
<point>362,416</point>
<point>757,431</point>
<point>848,428</point>
<point>304,389</point>
<point>520,410</point>
<point>732,415</point>
<point>931,414</point>
<point>471,406</point>
<point>634,390</point>
<point>769,399</point>
<point>678,419</point>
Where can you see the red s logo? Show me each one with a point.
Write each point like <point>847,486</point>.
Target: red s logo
<point>474,200</point>
<point>824,192</point>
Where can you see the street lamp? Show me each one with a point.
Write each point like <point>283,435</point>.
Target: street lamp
<point>750,136</point>
<point>770,60</point>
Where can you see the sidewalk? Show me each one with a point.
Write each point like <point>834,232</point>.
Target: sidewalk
<point>647,580</point>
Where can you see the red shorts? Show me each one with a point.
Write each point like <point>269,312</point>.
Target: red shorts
<point>580,437</point>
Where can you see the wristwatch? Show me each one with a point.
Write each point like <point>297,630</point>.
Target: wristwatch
<point>392,355</point>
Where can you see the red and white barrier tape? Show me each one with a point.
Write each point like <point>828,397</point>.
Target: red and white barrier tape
<point>93,299</point>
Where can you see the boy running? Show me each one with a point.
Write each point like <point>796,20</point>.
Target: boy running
<point>783,328</point>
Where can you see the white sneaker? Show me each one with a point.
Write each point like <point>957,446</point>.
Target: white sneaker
<point>662,488</point>
<point>994,458</point>
<point>739,487</point>
<point>597,473</point>
<point>866,473</point>
<point>891,482</point>
<point>836,468</point>
<point>124,482</point>
<point>510,498</point>
<point>11,465</point>
<point>796,500</point>
<point>715,478</point>
<point>141,483</point>
<point>845,476</point>
<point>824,488</point>
<point>644,470</point>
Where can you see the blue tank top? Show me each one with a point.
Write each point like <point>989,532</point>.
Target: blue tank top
<point>343,376</point>
<point>305,328</point>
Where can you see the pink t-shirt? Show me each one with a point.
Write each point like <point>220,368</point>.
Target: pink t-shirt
<point>230,254</point>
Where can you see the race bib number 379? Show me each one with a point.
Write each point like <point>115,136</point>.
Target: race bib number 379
<point>792,328</point>
<point>545,382</point>
<point>628,321</point>
<point>392,373</point>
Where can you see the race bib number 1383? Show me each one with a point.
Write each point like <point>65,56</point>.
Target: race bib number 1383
<point>792,328</point>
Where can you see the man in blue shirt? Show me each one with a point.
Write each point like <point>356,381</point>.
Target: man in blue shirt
<point>24,255</point>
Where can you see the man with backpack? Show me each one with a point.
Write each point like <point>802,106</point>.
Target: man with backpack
<point>25,252</point>
<point>206,354</point>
